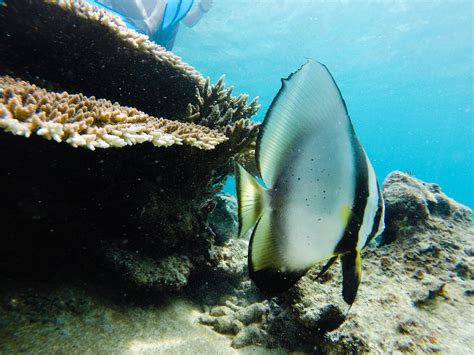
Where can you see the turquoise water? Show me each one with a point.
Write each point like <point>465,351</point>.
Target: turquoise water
<point>404,68</point>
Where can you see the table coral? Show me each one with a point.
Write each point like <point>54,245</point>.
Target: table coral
<point>86,122</point>
<point>108,142</point>
<point>74,46</point>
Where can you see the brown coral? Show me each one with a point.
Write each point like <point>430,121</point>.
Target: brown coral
<point>86,122</point>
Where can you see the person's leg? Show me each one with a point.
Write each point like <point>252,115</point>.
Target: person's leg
<point>155,17</point>
<point>133,9</point>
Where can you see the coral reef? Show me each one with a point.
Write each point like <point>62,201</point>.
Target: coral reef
<point>216,108</point>
<point>112,148</point>
<point>415,296</point>
<point>113,151</point>
<point>80,48</point>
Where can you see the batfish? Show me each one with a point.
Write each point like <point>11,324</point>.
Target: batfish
<point>321,199</point>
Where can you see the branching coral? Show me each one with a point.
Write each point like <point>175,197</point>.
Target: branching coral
<point>86,122</point>
<point>216,108</point>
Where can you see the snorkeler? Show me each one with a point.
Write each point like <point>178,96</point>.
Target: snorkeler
<point>159,19</point>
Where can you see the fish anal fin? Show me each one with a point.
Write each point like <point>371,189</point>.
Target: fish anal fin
<point>265,259</point>
<point>264,252</point>
<point>250,195</point>
<point>351,275</point>
<point>272,281</point>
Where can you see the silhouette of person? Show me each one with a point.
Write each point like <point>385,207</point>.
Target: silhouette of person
<point>159,19</point>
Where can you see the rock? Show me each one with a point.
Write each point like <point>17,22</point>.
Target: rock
<point>223,219</point>
<point>410,297</point>
<point>225,324</point>
<point>416,289</point>
<point>231,258</point>
<point>251,314</point>
<point>171,273</point>
<point>410,203</point>
<point>250,336</point>
<point>220,311</point>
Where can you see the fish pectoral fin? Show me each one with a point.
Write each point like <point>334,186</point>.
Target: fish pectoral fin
<point>327,266</point>
<point>250,195</point>
<point>351,275</point>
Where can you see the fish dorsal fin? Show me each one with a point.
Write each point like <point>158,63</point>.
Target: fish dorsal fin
<point>308,99</point>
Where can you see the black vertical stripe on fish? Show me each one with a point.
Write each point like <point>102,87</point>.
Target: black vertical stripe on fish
<point>351,234</point>
<point>378,216</point>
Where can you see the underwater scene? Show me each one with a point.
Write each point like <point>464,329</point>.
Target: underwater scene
<point>236,176</point>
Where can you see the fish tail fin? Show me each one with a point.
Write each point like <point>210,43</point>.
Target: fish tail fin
<point>351,275</point>
<point>251,198</point>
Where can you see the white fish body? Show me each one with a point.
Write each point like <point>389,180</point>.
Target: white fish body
<point>323,200</point>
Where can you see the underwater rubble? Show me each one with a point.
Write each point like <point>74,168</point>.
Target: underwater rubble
<point>112,148</point>
<point>416,293</point>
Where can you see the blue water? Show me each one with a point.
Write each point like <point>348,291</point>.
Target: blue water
<point>405,69</point>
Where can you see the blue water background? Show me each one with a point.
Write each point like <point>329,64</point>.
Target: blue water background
<point>405,69</point>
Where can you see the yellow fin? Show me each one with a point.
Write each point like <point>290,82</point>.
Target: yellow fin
<point>251,199</point>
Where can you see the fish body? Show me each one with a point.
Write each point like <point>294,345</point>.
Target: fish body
<point>322,199</point>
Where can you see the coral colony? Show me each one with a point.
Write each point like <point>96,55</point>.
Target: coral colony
<point>119,133</point>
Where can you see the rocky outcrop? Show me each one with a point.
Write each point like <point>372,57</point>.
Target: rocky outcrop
<point>416,293</point>
<point>223,219</point>
<point>413,205</point>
